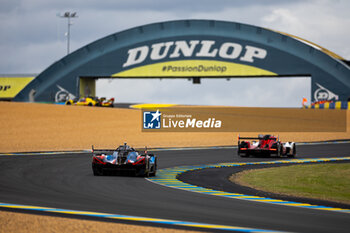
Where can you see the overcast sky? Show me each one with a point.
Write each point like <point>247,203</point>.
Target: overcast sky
<point>33,37</point>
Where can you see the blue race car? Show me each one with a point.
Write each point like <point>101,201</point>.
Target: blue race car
<point>123,159</point>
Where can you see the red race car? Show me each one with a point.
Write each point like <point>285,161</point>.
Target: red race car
<point>265,145</point>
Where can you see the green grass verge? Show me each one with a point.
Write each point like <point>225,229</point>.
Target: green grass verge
<point>321,181</point>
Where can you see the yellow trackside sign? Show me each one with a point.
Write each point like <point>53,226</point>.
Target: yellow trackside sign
<point>11,86</point>
<point>190,68</point>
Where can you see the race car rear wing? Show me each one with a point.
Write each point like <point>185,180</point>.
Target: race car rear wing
<point>257,138</point>
<point>248,138</point>
<point>101,151</point>
<point>110,151</point>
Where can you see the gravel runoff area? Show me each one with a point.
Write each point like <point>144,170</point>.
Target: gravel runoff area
<point>21,222</point>
<point>49,127</point>
<point>46,127</point>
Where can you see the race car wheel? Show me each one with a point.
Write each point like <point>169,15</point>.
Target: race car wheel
<point>279,150</point>
<point>154,171</point>
<point>90,104</point>
<point>154,168</point>
<point>147,173</point>
<point>294,151</point>
<point>147,169</point>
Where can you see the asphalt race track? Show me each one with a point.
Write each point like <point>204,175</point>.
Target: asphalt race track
<point>66,181</point>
